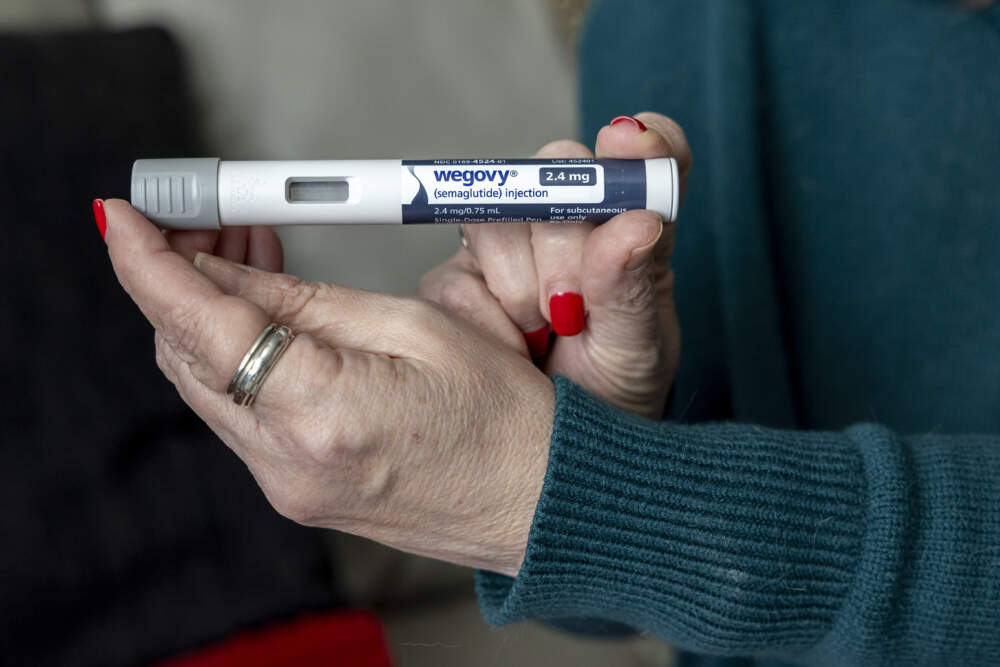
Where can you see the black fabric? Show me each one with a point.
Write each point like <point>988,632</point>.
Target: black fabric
<point>130,533</point>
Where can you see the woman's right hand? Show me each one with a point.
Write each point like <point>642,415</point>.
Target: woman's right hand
<point>513,280</point>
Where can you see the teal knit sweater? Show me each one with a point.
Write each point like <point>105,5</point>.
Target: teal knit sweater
<point>818,494</point>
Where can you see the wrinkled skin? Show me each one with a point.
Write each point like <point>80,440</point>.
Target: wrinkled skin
<point>421,425</point>
<point>502,281</point>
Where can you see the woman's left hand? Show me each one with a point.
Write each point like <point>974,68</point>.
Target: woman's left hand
<point>387,417</point>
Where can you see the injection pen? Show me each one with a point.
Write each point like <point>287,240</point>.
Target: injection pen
<point>208,193</point>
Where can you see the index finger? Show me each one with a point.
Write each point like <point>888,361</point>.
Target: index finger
<point>209,329</point>
<point>654,136</point>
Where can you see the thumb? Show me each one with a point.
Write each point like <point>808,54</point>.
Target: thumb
<point>625,280</point>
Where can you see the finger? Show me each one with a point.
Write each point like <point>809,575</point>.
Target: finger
<point>341,317</point>
<point>625,284</point>
<point>305,383</point>
<point>233,244</point>
<point>556,249</point>
<point>189,242</point>
<point>618,277</point>
<point>209,329</point>
<point>506,260</point>
<point>214,409</point>
<point>645,135</point>
<point>264,250</point>
<point>627,278</point>
<point>632,320</point>
<point>464,292</point>
<point>235,425</point>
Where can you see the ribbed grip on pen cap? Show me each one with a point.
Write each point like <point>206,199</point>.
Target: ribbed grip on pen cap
<point>178,193</point>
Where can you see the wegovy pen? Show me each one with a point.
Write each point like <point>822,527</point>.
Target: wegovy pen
<point>208,193</point>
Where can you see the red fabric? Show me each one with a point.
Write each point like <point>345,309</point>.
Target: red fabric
<point>335,639</point>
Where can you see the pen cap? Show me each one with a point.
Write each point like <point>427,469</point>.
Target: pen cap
<point>179,193</point>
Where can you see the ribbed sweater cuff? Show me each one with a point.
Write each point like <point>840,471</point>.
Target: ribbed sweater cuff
<point>718,537</point>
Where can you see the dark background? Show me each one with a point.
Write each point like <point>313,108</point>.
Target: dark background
<point>129,533</point>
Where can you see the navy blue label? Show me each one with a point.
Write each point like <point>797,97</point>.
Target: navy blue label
<point>530,190</point>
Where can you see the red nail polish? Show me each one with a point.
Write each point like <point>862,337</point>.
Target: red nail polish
<point>100,217</point>
<point>629,119</point>
<point>538,341</point>
<point>566,311</point>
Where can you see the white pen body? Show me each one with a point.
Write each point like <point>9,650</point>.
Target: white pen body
<point>278,192</point>
<point>207,193</point>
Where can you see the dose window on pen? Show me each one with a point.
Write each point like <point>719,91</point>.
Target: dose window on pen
<point>317,190</point>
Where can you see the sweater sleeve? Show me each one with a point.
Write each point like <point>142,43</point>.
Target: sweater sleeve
<point>853,547</point>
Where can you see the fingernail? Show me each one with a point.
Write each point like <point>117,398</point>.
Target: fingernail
<point>538,341</point>
<point>99,217</point>
<point>566,312</point>
<point>642,253</point>
<point>634,122</point>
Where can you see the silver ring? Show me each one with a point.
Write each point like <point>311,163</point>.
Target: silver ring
<point>257,363</point>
